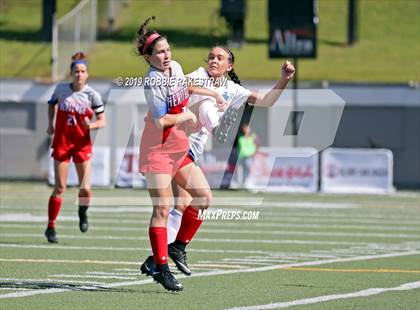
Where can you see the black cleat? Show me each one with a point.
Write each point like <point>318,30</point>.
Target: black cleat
<point>180,259</point>
<point>226,121</point>
<point>148,267</point>
<point>51,235</point>
<point>168,281</point>
<point>83,219</point>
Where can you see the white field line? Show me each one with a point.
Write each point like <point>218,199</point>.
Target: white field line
<point>313,300</point>
<point>196,240</point>
<point>309,218</point>
<point>96,248</point>
<point>27,217</point>
<point>91,276</point>
<point>238,223</point>
<point>134,272</point>
<point>306,233</point>
<point>266,232</point>
<point>37,281</point>
<point>226,272</point>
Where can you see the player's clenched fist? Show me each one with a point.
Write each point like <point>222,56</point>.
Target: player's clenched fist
<point>287,70</point>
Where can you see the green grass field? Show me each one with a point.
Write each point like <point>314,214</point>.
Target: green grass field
<point>388,49</point>
<point>304,251</point>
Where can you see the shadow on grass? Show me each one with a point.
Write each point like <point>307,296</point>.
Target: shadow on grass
<point>32,285</point>
<point>333,43</point>
<point>35,285</point>
<point>30,36</point>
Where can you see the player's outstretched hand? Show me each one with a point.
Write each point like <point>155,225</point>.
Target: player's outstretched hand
<point>287,70</point>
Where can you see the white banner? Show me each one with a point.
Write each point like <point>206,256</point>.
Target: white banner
<point>357,171</point>
<point>127,168</point>
<point>100,169</point>
<point>284,170</point>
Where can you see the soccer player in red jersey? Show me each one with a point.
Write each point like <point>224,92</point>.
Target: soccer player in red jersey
<point>163,149</point>
<point>73,106</point>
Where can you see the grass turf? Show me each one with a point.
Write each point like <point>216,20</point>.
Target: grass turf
<point>99,270</point>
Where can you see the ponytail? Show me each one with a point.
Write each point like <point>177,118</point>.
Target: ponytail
<point>143,44</point>
<point>234,77</point>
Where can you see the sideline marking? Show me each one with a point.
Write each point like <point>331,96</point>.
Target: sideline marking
<point>313,300</point>
<point>354,270</point>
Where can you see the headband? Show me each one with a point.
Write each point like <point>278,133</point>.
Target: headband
<point>149,41</point>
<point>77,62</point>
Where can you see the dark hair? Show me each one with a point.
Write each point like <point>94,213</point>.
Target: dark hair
<point>231,58</point>
<point>78,56</point>
<point>142,35</point>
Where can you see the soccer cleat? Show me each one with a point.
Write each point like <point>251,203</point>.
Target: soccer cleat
<point>148,267</point>
<point>168,281</point>
<point>51,235</point>
<point>226,121</point>
<point>180,259</point>
<point>83,219</point>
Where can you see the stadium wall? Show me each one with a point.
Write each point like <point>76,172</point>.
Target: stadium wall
<point>375,116</point>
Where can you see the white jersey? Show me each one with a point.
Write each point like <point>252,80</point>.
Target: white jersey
<point>234,94</point>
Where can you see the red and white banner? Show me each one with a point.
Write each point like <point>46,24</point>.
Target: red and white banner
<point>357,171</point>
<point>127,168</point>
<point>284,170</point>
<point>100,169</point>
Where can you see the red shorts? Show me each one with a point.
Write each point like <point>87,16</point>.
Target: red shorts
<point>163,163</point>
<point>64,153</point>
<point>187,160</point>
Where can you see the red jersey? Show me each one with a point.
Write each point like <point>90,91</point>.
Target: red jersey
<point>73,107</point>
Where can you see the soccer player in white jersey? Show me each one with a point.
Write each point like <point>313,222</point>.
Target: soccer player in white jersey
<point>220,63</point>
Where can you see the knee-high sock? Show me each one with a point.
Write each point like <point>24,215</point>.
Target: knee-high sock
<point>54,205</point>
<point>189,225</point>
<point>174,221</point>
<point>159,242</point>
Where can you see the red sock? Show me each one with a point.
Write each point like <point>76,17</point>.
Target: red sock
<point>159,242</point>
<point>54,205</point>
<point>189,225</point>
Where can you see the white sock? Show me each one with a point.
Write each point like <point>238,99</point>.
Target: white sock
<point>174,222</point>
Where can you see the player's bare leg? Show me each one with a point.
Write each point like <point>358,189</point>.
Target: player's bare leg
<point>85,193</point>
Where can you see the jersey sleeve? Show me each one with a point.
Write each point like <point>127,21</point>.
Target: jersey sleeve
<point>176,69</point>
<point>54,97</point>
<point>240,96</point>
<point>156,100</point>
<point>97,103</point>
